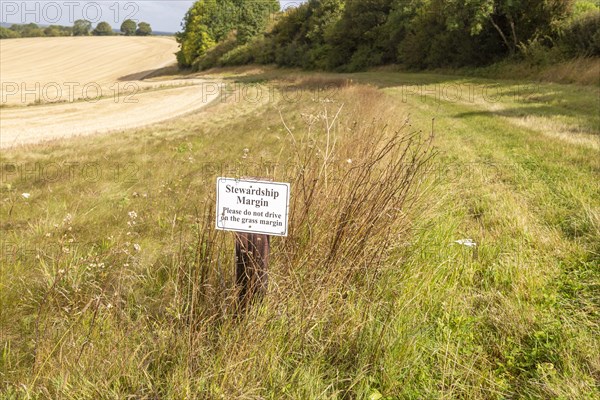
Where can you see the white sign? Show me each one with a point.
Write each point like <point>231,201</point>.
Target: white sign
<point>253,206</point>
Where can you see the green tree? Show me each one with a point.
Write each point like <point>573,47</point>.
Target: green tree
<point>430,38</point>
<point>581,37</point>
<point>52,31</point>
<point>253,16</point>
<point>28,30</point>
<point>356,34</point>
<point>473,32</point>
<point>197,36</point>
<point>300,38</point>
<point>359,38</point>
<point>66,30</point>
<point>128,27</point>
<point>103,29</point>
<point>208,22</point>
<point>515,21</point>
<point>33,30</point>
<point>82,27</point>
<point>402,13</point>
<point>143,29</point>
<point>6,33</point>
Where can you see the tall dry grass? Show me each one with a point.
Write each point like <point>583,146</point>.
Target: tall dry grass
<point>171,328</point>
<point>354,184</point>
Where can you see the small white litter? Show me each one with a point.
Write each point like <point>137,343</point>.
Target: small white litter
<point>26,195</point>
<point>466,242</point>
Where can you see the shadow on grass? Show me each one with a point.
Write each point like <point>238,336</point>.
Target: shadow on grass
<point>155,73</point>
<point>584,123</point>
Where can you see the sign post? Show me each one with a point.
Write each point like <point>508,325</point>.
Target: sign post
<point>254,210</point>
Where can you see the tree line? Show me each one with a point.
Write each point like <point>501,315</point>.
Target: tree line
<point>209,22</point>
<point>81,27</point>
<point>351,35</point>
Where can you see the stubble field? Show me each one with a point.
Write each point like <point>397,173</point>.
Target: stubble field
<point>71,86</point>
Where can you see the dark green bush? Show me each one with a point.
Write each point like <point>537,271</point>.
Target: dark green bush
<point>33,30</point>
<point>213,56</point>
<point>582,36</point>
<point>240,55</point>
<point>6,33</point>
<point>353,35</point>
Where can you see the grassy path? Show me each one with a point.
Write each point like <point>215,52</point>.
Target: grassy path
<point>532,203</point>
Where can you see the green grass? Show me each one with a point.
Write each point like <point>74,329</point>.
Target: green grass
<point>399,311</point>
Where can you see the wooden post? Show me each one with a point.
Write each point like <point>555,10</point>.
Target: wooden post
<point>255,210</point>
<point>251,263</point>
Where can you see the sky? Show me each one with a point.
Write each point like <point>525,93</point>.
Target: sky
<point>165,15</point>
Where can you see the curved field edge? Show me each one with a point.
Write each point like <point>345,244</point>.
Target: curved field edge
<point>104,292</point>
<point>29,125</point>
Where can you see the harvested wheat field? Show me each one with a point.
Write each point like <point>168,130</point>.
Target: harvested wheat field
<point>62,87</point>
<point>64,68</point>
